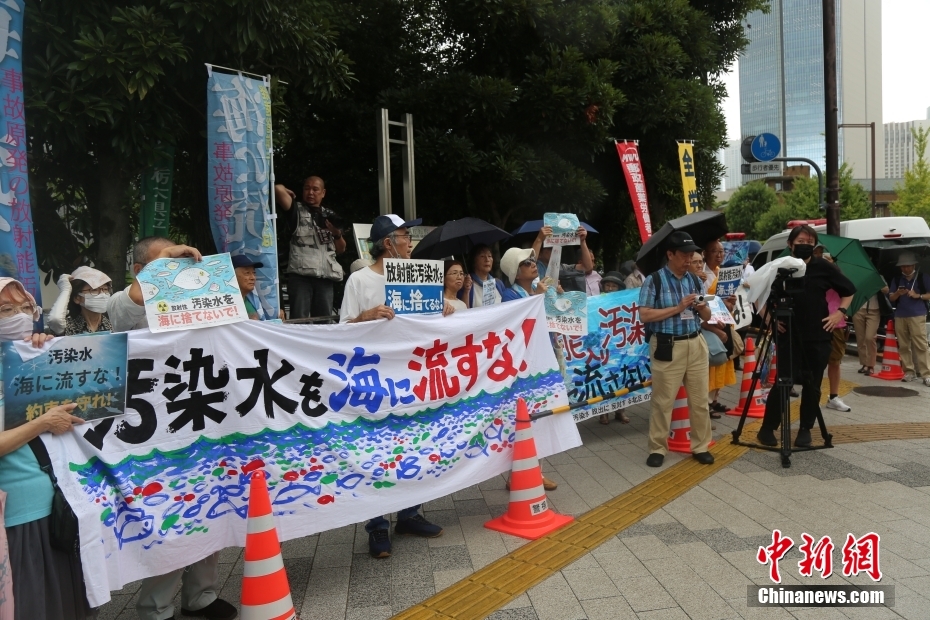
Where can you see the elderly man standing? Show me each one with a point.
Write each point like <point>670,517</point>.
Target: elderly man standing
<point>677,351</point>
<point>910,292</point>
<point>311,266</point>
<point>200,580</point>
<point>364,300</point>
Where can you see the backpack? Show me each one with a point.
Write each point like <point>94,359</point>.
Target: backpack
<point>655,302</point>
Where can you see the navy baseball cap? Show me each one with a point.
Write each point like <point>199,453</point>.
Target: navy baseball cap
<point>384,225</point>
<point>241,260</point>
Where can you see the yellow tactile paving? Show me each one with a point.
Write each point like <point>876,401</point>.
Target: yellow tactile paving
<point>490,588</point>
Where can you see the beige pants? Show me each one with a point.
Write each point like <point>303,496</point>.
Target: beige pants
<point>912,344</point>
<point>866,324</point>
<point>688,366</point>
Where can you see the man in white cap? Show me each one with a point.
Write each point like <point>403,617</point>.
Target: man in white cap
<point>910,292</point>
<point>364,300</point>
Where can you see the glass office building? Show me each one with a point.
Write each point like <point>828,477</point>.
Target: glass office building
<point>781,78</point>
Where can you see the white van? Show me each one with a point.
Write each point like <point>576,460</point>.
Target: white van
<point>877,232</point>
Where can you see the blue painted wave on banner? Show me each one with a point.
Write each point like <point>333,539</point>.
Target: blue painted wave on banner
<point>239,176</point>
<point>17,239</point>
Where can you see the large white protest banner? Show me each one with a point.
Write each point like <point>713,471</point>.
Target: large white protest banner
<point>348,421</point>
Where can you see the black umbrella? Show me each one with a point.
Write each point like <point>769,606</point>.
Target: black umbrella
<point>458,237</point>
<point>703,226</point>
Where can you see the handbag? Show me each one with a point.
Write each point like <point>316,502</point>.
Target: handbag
<point>738,345</point>
<point>62,523</point>
<point>716,352</point>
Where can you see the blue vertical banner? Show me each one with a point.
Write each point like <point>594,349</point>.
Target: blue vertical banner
<point>17,239</point>
<point>239,176</point>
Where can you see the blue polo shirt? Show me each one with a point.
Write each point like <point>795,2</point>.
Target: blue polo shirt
<point>668,293</point>
<point>905,306</point>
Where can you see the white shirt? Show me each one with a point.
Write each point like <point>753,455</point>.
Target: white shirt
<point>458,304</point>
<point>364,291</point>
<point>124,313</point>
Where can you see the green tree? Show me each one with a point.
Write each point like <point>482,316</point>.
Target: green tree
<point>108,82</point>
<point>747,204</point>
<point>914,194</point>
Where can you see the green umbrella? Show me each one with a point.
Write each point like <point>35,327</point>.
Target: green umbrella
<point>851,258</point>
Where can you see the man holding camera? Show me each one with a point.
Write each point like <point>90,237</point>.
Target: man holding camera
<point>671,307</point>
<point>812,337</point>
<point>316,240</point>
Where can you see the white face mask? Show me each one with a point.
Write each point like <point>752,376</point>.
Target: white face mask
<point>96,303</point>
<point>15,327</point>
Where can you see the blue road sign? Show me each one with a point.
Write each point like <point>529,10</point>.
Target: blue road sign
<point>766,146</point>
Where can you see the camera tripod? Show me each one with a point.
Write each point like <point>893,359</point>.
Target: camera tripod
<point>779,310</point>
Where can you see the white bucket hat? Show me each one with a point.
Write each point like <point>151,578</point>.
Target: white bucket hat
<point>510,262</point>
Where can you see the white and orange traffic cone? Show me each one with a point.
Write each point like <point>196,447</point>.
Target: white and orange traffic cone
<point>757,398</point>
<point>891,361</point>
<point>266,594</point>
<point>679,436</point>
<point>528,515</point>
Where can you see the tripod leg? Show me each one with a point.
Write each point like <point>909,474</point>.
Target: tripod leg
<point>827,437</point>
<point>756,378</point>
<point>785,392</point>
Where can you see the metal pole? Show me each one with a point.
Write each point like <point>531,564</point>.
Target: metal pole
<point>830,116</point>
<point>874,204</point>
<point>410,200</point>
<point>274,212</point>
<point>813,165</point>
<point>384,163</point>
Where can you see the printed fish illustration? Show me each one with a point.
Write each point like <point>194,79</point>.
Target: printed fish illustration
<point>213,262</point>
<point>565,223</point>
<point>192,278</point>
<point>149,290</point>
<point>162,274</point>
<point>214,287</point>
<point>563,304</point>
<point>173,265</point>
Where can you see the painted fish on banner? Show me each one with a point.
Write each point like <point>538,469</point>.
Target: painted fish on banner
<point>348,421</point>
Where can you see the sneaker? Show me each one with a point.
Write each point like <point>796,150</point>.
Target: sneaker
<point>417,526</point>
<point>926,381</point>
<point>908,377</point>
<point>379,544</point>
<point>839,405</point>
<point>217,610</point>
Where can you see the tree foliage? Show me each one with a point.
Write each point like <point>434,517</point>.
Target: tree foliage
<point>747,204</point>
<point>914,194</point>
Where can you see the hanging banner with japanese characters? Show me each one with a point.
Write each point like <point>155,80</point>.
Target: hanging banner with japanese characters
<point>17,240</point>
<point>155,213</point>
<point>238,176</point>
<point>413,286</point>
<point>567,313</point>
<point>348,421</point>
<point>688,176</point>
<point>87,370</point>
<point>636,183</point>
<point>612,355</point>
<point>728,279</point>
<point>181,293</point>
<point>564,229</point>
<point>735,253</point>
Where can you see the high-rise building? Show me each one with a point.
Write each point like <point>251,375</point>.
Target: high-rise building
<point>782,87</point>
<point>731,159</point>
<point>899,146</point>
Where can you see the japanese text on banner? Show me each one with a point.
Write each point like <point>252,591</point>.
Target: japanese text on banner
<point>636,184</point>
<point>413,286</point>
<point>688,177</point>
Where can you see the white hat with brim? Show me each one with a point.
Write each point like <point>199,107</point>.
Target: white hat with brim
<point>510,262</point>
<point>5,282</point>
<point>906,258</point>
<point>93,277</point>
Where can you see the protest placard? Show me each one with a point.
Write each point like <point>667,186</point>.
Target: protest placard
<point>87,370</point>
<point>181,293</point>
<point>728,278</point>
<point>347,421</point>
<point>735,253</point>
<point>567,313</point>
<point>564,229</point>
<point>612,355</point>
<point>719,313</point>
<point>413,286</point>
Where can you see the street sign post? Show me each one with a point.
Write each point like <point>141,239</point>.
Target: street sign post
<point>765,147</point>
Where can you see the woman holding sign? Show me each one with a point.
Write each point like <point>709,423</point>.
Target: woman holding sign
<point>453,282</point>
<point>81,308</point>
<point>47,581</point>
<point>724,374</point>
<point>486,290</point>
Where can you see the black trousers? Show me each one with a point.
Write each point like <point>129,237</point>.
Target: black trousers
<point>810,362</point>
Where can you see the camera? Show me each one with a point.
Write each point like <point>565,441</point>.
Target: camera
<point>324,214</point>
<point>702,298</point>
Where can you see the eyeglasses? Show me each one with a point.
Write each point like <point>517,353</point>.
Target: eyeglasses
<point>455,274</point>
<point>96,291</point>
<point>527,262</point>
<point>11,310</point>
<point>401,236</point>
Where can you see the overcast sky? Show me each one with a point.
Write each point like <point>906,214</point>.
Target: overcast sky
<point>905,65</point>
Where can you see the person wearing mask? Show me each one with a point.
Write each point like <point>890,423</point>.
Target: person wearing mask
<point>81,307</point>
<point>486,290</point>
<point>454,283</point>
<point>812,337</point>
<point>910,292</point>
<point>199,581</point>
<point>47,583</point>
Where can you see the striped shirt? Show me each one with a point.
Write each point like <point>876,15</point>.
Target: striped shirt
<point>671,291</point>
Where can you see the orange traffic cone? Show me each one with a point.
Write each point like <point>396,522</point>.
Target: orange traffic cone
<point>528,515</point>
<point>773,367</point>
<point>891,362</point>
<point>266,594</point>
<point>757,398</point>
<point>679,436</point>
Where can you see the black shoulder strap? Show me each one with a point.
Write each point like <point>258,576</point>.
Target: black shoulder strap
<point>41,454</point>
